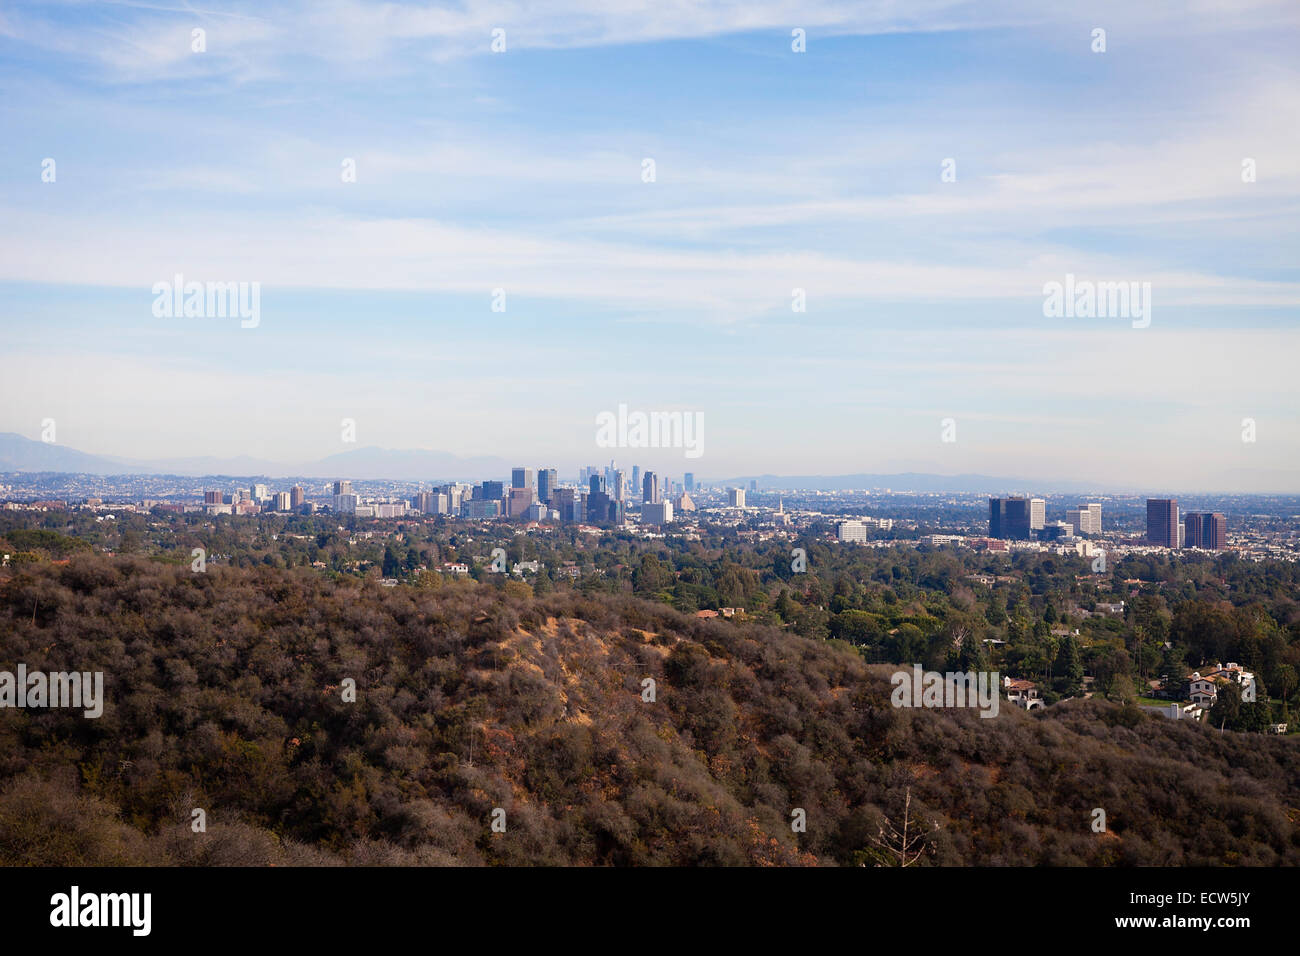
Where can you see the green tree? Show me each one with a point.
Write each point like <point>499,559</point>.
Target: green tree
<point>1068,669</point>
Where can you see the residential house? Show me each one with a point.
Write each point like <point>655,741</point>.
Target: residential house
<point>1022,693</point>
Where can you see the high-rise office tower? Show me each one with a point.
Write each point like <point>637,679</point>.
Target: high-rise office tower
<point>1214,532</point>
<point>997,516</point>
<point>518,502</point>
<point>736,497</point>
<point>547,481</point>
<point>1205,530</point>
<point>636,479</point>
<point>296,496</point>
<point>690,481</point>
<point>1018,518</point>
<point>618,485</point>
<point>1086,519</point>
<point>1162,522</point>
<point>570,503</point>
<point>753,484</point>
<point>342,487</point>
<point>1037,514</point>
<point>1009,518</point>
<point>494,490</point>
<point>212,497</point>
<point>596,484</point>
<point>601,508</point>
<point>522,478</point>
<point>650,488</point>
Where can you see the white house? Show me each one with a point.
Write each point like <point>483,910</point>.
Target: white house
<point>1022,693</point>
<point>1204,688</point>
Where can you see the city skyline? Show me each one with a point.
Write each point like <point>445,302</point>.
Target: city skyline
<point>20,455</point>
<point>800,271</point>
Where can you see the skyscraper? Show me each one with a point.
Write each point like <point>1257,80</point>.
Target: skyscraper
<point>296,497</point>
<point>601,508</point>
<point>342,487</point>
<point>571,504</point>
<point>1018,519</point>
<point>997,514</point>
<point>1205,530</point>
<point>1162,522</point>
<point>650,488</point>
<point>1086,519</point>
<point>1214,532</point>
<point>494,490</point>
<point>736,497</point>
<point>690,481</point>
<point>518,502</point>
<point>521,478</point>
<point>618,484</point>
<point>547,480</point>
<point>636,478</point>
<point>1009,518</point>
<point>1037,514</point>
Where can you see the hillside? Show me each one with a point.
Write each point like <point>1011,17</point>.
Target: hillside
<point>225,692</point>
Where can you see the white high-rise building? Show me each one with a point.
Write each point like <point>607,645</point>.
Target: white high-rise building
<point>854,531</point>
<point>1085,519</point>
<point>1037,514</point>
<point>736,497</point>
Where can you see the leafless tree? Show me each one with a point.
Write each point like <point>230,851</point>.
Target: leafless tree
<point>907,845</point>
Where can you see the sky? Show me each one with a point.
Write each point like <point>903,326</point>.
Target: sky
<point>920,170</point>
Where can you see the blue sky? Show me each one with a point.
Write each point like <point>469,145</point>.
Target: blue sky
<point>775,170</point>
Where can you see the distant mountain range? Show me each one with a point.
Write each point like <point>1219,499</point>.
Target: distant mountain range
<point>20,454</point>
<point>920,482</point>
